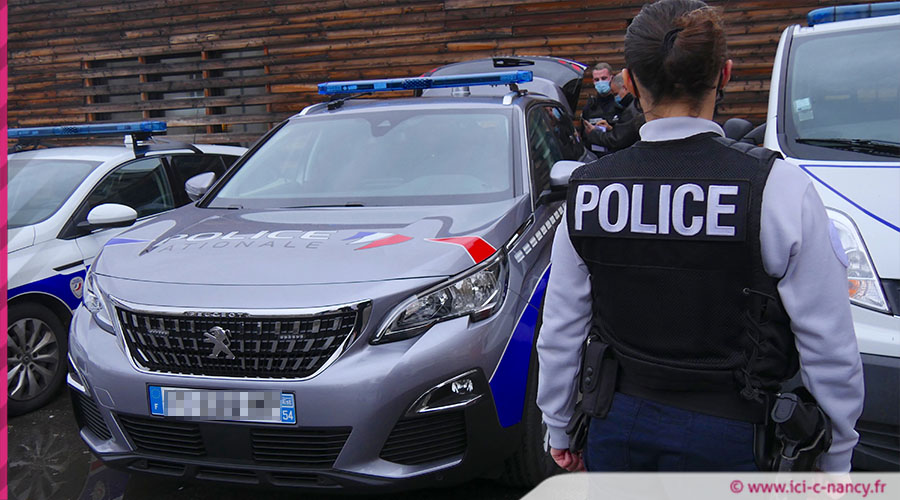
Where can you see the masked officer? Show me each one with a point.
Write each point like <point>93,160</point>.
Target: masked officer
<point>622,131</point>
<point>705,268</point>
<point>601,105</point>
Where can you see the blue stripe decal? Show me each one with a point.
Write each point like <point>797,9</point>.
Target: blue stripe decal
<point>510,382</point>
<point>888,167</point>
<point>848,200</point>
<point>123,241</point>
<point>58,286</point>
<point>361,234</point>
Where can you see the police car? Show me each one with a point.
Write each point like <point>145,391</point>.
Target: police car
<point>353,306</point>
<point>64,204</point>
<point>834,111</point>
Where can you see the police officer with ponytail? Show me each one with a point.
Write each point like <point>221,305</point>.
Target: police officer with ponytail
<point>702,273</point>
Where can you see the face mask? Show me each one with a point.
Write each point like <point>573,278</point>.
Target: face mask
<point>618,99</point>
<point>602,87</point>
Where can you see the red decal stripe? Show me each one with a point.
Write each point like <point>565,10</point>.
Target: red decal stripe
<point>392,240</point>
<point>478,248</point>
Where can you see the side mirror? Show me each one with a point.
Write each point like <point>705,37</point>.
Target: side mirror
<point>198,185</point>
<point>559,180</point>
<point>560,173</point>
<point>110,215</point>
<point>737,128</point>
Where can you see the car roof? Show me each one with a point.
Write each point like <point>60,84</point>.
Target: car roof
<point>93,153</point>
<point>427,103</point>
<point>849,25</point>
<point>117,153</point>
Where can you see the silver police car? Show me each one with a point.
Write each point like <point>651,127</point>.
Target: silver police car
<point>353,305</point>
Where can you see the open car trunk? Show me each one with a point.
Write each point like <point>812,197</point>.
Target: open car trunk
<point>554,77</point>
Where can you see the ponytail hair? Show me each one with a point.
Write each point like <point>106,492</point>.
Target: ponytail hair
<point>676,49</point>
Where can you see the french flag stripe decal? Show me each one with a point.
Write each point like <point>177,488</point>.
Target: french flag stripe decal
<point>478,248</point>
<point>359,235</point>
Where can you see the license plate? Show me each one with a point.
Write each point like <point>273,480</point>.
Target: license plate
<point>245,406</point>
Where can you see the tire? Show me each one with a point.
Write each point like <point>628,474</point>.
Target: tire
<point>531,463</point>
<point>37,343</point>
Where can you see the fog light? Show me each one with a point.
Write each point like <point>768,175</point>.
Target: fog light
<point>74,378</point>
<point>462,386</point>
<point>458,392</point>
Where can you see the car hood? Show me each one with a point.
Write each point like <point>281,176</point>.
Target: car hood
<point>310,246</point>
<point>19,238</point>
<point>867,193</point>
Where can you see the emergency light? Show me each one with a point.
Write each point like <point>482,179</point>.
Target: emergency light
<point>427,82</point>
<point>847,12</point>
<point>147,127</point>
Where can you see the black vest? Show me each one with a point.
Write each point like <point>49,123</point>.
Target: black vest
<point>670,233</point>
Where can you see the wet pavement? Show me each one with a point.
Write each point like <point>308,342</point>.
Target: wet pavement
<point>48,461</point>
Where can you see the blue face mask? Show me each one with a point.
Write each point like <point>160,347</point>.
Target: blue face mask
<point>618,99</point>
<point>602,87</point>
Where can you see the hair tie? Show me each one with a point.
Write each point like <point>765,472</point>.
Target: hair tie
<point>669,40</point>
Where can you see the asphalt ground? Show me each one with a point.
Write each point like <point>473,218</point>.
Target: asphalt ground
<point>48,461</point>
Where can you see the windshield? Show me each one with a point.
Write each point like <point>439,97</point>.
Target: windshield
<point>845,86</point>
<point>378,158</point>
<point>38,187</point>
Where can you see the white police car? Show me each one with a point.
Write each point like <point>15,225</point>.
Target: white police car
<point>64,204</point>
<point>834,111</point>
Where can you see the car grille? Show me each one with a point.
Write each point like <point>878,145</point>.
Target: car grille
<point>164,436</point>
<point>422,439</point>
<point>307,448</point>
<point>292,448</point>
<point>89,415</point>
<point>259,347</point>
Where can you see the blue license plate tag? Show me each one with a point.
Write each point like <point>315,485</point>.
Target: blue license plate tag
<point>274,407</point>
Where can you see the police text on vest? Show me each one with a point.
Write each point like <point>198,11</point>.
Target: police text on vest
<point>651,208</point>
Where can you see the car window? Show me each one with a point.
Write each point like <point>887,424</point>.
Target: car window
<point>38,187</point>
<point>864,103</point>
<point>551,138</point>
<point>187,166</point>
<point>399,158</point>
<point>141,185</point>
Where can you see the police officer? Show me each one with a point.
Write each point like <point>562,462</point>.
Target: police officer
<point>601,105</point>
<point>708,269</point>
<point>622,131</point>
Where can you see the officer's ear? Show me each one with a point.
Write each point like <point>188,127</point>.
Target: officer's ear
<point>629,83</point>
<point>725,76</point>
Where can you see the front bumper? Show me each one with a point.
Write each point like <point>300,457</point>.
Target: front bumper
<point>879,425</point>
<point>878,335</point>
<point>349,417</point>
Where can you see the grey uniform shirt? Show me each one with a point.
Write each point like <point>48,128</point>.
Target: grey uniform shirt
<point>797,248</point>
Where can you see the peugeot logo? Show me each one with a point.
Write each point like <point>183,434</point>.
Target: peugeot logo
<point>218,336</point>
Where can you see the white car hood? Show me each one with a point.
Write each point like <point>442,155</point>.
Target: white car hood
<point>19,238</point>
<point>870,194</point>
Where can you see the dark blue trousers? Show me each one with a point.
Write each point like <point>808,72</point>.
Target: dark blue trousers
<point>640,435</point>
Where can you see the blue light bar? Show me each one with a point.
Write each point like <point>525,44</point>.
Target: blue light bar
<point>847,12</point>
<point>89,129</point>
<point>428,82</point>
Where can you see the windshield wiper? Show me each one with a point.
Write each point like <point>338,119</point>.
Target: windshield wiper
<point>871,146</point>
<point>338,205</point>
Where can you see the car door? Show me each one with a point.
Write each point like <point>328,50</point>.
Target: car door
<point>551,138</point>
<point>140,184</point>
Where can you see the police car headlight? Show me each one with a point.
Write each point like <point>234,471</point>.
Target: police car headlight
<point>477,293</point>
<point>864,284</point>
<point>95,303</point>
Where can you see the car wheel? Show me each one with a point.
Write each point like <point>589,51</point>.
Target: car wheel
<point>36,357</point>
<point>531,463</point>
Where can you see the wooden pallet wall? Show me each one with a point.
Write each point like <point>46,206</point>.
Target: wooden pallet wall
<point>220,71</point>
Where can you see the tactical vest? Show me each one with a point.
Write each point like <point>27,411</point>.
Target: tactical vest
<point>670,233</point>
